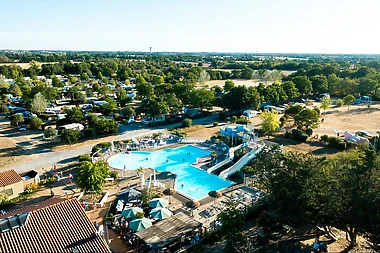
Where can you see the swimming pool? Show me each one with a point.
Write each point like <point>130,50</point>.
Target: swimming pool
<point>191,181</point>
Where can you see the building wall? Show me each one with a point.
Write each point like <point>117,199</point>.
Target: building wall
<point>16,188</point>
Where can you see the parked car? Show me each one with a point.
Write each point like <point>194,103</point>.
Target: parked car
<point>22,127</point>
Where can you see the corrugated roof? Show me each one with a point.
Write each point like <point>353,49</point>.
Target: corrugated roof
<point>9,177</point>
<point>168,230</point>
<point>59,227</point>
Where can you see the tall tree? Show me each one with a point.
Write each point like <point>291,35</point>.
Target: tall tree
<point>91,176</point>
<point>39,104</point>
<point>325,103</point>
<point>201,98</point>
<point>348,100</point>
<point>228,85</point>
<point>307,118</point>
<point>303,84</point>
<point>270,122</point>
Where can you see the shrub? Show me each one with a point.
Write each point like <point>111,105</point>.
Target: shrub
<point>299,135</point>
<point>341,145</point>
<point>85,157</point>
<point>30,188</point>
<point>339,102</point>
<point>106,126</point>
<point>35,123</point>
<point>248,169</point>
<point>114,174</point>
<point>70,136</point>
<point>187,123</point>
<point>215,124</point>
<point>50,132</point>
<point>309,131</point>
<point>3,108</point>
<point>325,138</point>
<point>116,116</point>
<point>282,121</point>
<point>243,121</point>
<point>351,145</point>
<point>233,119</point>
<point>333,141</point>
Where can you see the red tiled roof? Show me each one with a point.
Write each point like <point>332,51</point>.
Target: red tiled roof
<point>59,227</point>
<point>9,177</point>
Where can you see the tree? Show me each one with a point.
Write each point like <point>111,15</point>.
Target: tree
<point>232,220</point>
<point>127,112</point>
<point>339,102</point>
<point>348,100</point>
<point>39,104</point>
<point>146,195</point>
<point>35,123</point>
<point>4,86</point>
<point>203,77</point>
<point>109,107</point>
<point>157,79</point>
<point>290,90</point>
<point>70,136</point>
<point>307,118</point>
<point>270,123</point>
<point>325,103</point>
<point>303,84</point>
<point>144,89</point>
<point>106,126</point>
<point>15,90</point>
<point>74,115</point>
<point>91,176</point>
<point>320,83</point>
<point>228,85</point>
<point>201,98</point>
<point>50,132</point>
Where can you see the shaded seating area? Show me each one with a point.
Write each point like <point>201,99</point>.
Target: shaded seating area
<point>174,234</point>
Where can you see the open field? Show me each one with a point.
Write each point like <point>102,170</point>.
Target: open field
<point>27,65</point>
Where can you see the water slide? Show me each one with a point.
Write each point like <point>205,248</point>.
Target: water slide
<point>230,156</point>
<point>241,163</point>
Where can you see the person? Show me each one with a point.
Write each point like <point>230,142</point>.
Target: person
<point>96,225</point>
<point>82,204</point>
<point>182,185</point>
<point>71,177</point>
<point>128,186</point>
<point>323,119</point>
<point>55,167</point>
<point>183,159</point>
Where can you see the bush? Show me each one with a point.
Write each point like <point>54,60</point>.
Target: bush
<point>299,135</point>
<point>309,131</point>
<point>351,145</point>
<point>248,169</point>
<point>215,124</point>
<point>35,123</point>
<point>282,121</point>
<point>341,145</point>
<point>70,136</point>
<point>116,116</point>
<point>339,102</point>
<point>114,174</point>
<point>3,109</point>
<point>325,138</point>
<point>233,119</point>
<point>85,157</point>
<point>106,126</point>
<point>50,132</point>
<point>267,221</point>
<point>333,141</point>
<point>243,121</point>
<point>30,188</point>
<point>100,146</point>
<point>187,123</point>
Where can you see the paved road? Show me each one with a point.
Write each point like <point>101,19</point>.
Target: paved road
<point>47,159</point>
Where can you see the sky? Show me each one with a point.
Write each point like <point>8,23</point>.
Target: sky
<point>264,26</point>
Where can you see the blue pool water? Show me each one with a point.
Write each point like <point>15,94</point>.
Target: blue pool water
<point>196,182</point>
